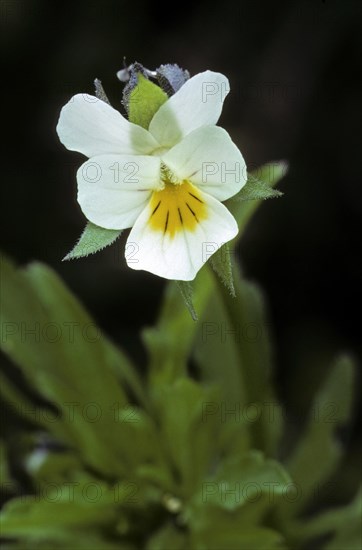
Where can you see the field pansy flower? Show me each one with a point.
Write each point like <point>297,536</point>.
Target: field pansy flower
<point>167,183</point>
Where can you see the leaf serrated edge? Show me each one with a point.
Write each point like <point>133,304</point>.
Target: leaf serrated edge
<point>185,289</point>
<point>72,255</point>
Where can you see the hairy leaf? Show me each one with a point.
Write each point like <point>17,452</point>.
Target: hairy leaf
<point>93,239</point>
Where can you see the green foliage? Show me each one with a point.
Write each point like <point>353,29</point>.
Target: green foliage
<point>316,456</point>
<point>174,461</point>
<point>71,363</point>
<point>92,240</point>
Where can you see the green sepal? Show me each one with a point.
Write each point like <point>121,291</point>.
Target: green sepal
<point>221,264</point>
<point>256,189</point>
<point>92,240</point>
<point>144,101</point>
<point>185,288</point>
<point>243,209</point>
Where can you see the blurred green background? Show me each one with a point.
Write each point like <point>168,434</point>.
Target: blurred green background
<point>294,95</point>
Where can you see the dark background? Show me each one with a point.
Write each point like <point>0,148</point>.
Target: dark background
<point>293,70</point>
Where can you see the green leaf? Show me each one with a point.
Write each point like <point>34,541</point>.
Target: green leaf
<point>243,210</point>
<point>77,541</point>
<point>221,264</point>
<point>190,441</point>
<point>242,479</point>
<point>57,467</point>
<point>214,528</point>
<point>66,359</point>
<point>19,403</point>
<point>318,452</point>
<point>343,522</point>
<point>215,352</point>
<point>7,483</point>
<point>216,358</point>
<point>92,240</point>
<point>228,535</point>
<point>233,350</point>
<point>167,538</point>
<point>185,287</point>
<point>62,507</point>
<point>256,189</point>
<point>169,342</point>
<point>144,101</point>
<point>247,317</point>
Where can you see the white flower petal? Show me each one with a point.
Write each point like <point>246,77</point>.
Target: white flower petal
<point>180,255</point>
<point>209,159</point>
<point>92,127</point>
<point>197,103</point>
<point>114,189</point>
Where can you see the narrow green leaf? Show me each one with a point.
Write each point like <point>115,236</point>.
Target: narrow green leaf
<point>243,210</point>
<point>185,287</point>
<point>167,538</point>
<point>216,357</point>
<point>92,240</point>
<point>221,264</point>
<point>17,401</point>
<point>5,478</point>
<point>169,342</point>
<point>239,360</point>
<point>343,522</point>
<point>215,352</point>
<point>256,189</point>
<point>246,316</point>
<point>318,452</point>
<point>190,441</point>
<point>144,101</point>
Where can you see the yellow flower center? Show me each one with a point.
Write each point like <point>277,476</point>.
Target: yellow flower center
<point>176,207</point>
